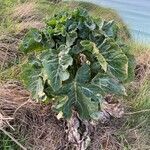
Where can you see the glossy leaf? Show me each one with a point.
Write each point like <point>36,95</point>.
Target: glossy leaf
<point>32,41</point>
<point>55,66</point>
<point>110,28</point>
<point>91,47</point>
<point>33,81</point>
<point>116,59</point>
<point>70,38</point>
<point>80,96</point>
<point>84,74</point>
<point>108,84</point>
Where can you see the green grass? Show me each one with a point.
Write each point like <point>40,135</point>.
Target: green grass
<point>135,133</point>
<point>138,48</point>
<point>6,143</point>
<point>45,9</point>
<point>141,105</point>
<point>6,22</point>
<point>11,73</point>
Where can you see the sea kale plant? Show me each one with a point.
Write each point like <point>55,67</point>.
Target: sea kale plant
<point>75,61</point>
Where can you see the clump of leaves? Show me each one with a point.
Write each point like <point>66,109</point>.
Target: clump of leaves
<point>75,61</point>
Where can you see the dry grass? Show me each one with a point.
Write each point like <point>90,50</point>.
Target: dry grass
<point>24,26</point>
<point>142,70</point>
<point>25,16</point>
<point>38,125</point>
<point>103,138</point>
<point>25,11</point>
<point>34,122</point>
<point>138,140</point>
<point>8,51</point>
<point>136,131</point>
<point>12,96</point>
<point>41,129</point>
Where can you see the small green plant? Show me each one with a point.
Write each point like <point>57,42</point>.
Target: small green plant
<point>75,61</point>
<point>6,143</point>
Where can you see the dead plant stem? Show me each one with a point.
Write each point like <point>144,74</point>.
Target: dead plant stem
<point>137,112</point>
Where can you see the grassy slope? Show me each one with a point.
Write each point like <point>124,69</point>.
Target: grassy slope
<point>46,9</point>
<point>39,10</point>
<point>10,25</point>
<point>137,102</point>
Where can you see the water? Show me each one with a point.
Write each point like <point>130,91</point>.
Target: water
<point>135,13</point>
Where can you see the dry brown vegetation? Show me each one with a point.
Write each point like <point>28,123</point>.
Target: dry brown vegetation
<point>25,16</point>
<point>32,120</point>
<point>8,50</point>
<point>38,124</point>
<point>143,67</point>
<point>25,11</point>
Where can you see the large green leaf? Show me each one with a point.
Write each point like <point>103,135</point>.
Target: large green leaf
<point>55,65</point>
<point>108,84</point>
<point>84,74</point>
<point>75,99</point>
<point>131,68</point>
<point>32,41</point>
<point>109,56</point>
<point>80,95</point>
<point>116,59</point>
<point>92,91</point>
<point>91,47</point>
<point>88,89</point>
<point>32,79</point>
<point>90,24</point>
<point>131,63</point>
<point>110,28</point>
<point>76,49</point>
<point>70,38</point>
